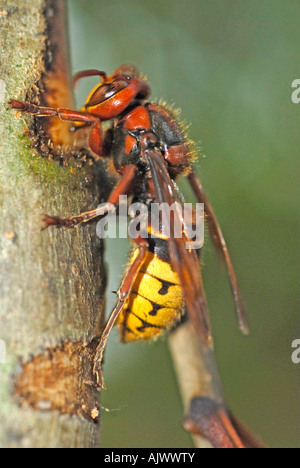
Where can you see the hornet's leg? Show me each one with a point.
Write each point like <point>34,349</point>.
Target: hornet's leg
<point>95,138</point>
<point>123,295</point>
<point>221,248</point>
<point>122,188</point>
<point>63,114</point>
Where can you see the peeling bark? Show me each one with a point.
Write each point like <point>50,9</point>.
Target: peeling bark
<point>58,379</point>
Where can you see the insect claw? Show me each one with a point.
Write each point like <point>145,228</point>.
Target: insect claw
<point>90,383</point>
<point>49,221</point>
<point>13,104</point>
<point>58,222</point>
<point>99,377</point>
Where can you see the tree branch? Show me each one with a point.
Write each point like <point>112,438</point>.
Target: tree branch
<point>195,370</point>
<point>51,282</point>
<point>202,395</point>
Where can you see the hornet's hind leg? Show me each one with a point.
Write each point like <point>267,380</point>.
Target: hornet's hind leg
<point>123,294</point>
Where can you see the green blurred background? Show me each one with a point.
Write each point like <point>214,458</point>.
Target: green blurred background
<point>229,66</point>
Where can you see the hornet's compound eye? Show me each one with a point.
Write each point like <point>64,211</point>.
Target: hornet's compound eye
<point>106,91</point>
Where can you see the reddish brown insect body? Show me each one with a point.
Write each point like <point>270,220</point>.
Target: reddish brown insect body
<point>149,150</point>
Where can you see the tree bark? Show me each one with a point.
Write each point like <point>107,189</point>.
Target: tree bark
<point>51,282</point>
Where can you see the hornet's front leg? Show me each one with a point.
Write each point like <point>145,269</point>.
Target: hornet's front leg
<point>123,188</point>
<point>96,140</point>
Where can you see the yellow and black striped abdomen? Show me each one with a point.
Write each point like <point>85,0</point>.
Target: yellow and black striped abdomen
<point>155,303</point>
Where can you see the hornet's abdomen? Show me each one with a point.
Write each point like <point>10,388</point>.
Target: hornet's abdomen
<point>155,303</point>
